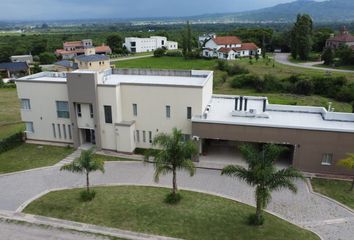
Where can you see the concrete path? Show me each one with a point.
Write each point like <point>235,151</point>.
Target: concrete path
<point>69,159</point>
<point>328,219</point>
<point>283,58</point>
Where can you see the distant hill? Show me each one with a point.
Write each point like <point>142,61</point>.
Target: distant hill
<point>327,11</point>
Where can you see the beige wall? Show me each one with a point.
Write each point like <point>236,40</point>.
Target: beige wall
<point>95,66</point>
<point>43,112</point>
<point>85,121</point>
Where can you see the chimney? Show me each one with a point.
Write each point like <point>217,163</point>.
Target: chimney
<point>241,102</point>
<point>236,103</point>
<point>264,104</point>
<point>246,100</point>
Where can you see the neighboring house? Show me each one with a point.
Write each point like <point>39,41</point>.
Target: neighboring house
<point>344,38</point>
<point>72,49</point>
<point>94,62</point>
<point>65,66</point>
<point>14,69</point>
<point>229,48</point>
<point>124,109</point>
<point>22,58</point>
<point>138,45</point>
<point>204,38</point>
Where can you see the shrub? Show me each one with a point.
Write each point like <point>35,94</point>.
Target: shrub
<point>174,54</point>
<point>236,70</point>
<point>272,84</point>
<point>244,81</point>
<point>159,52</point>
<point>11,142</point>
<point>304,86</point>
<point>47,58</point>
<point>86,196</point>
<point>173,198</point>
<point>222,65</point>
<point>253,220</point>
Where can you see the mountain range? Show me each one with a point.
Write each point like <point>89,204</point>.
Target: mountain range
<point>324,11</point>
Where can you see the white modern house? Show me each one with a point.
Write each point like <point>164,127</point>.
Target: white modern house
<point>229,48</point>
<point>124,109</point>
<point>138,45</point>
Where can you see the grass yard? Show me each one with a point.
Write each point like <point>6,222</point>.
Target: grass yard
<point>339,67</point>
<point>28,156</point>
<point>9,106</point>
<point>141,209</point>
<point>110,158</point>
<point>7,130</point>
<point>336,189</point>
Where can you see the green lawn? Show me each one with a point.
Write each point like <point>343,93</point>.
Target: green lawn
<point>7,130</point>
<point>314,57</point>
<point>336,189</point>
<point>110,158</point>
<point>141,209</point>
<point>28,156</point>
<point>339,67</point>
<point>9,106</point>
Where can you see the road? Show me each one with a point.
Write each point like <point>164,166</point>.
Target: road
<point>283,58</point>
<point>25,231</point>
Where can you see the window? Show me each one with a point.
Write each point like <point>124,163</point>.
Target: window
<point>62,109</point>
<point>150,137</point>
<point>108,114</point>
<point>186,137</point>
<point>25,104</point>
<point>64,130</point>
<point>144,136</point>
<point>59,131</point>
<point>29,127</point>
<point>168,111</point>
<point>327,159</point>
<point>137,136</point>
<point>91,111</point>
<point>135,109</point>
<point>69,131</point>
<point>189,112</point>
<point>78,109</point>
<point>54,132</point>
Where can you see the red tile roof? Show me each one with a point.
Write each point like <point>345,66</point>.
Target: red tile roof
<point>103,48</point>
<point>73,44</point>
<point>227,40</point>
<point>344,37</point>
<point>244,46</point>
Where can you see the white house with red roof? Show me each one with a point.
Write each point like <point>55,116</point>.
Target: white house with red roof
<point>344,38</point>
<point>229,48</point>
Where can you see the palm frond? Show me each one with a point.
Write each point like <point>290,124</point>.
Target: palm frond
<point>239,172</point>
<point>75,166</point>
<point>285,179</point>
<point>187,165</point>
<point>161,169</point>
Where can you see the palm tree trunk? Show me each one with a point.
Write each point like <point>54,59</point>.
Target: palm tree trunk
<point>87,182</point>
<point>352,187</point>
<point>174,181</point>
<point>258,209</point>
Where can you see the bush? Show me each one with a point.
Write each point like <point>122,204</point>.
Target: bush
<point>173,198</point>
<point>222,65</point>
<point>236,70</point>
<point>11,142</point>
<point>174,54</point>
<point>159,52</point>
<point>86,196</point>
<point>304,86</point>
<point>244,81</point>
<point>253,220</point>
<point>47,58</point>
<point>272,84</point>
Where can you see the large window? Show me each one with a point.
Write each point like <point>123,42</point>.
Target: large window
<point>189,112</point>
<point>25,104</point>
<point>168,111</point>
<point>108,114</point>
<point>327,159</point>
<point>29,127</point>
<point>62,109</point>
<point>135,109</point>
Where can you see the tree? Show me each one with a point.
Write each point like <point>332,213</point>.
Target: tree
<point>36,68</point>
<point>159,52</point>
<point>263,175</point>
<point>349,164</point>
<point>187,41</point>
<point>86,164</point>
<point>345,54</point>
<point>115,42</point>
<point>47,58</point>
<point>301,37</point>
<point>328,56</point>
<point>175,154</point>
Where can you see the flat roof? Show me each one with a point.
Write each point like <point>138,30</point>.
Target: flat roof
<point>221,111</point>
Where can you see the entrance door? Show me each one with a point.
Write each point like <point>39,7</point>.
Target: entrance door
<point>88,135</point>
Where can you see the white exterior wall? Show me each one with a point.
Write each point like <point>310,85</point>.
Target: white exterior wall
<point>43,112</point>
<point>85,121</point>
<point>149,44</point>
<point>172,45</point>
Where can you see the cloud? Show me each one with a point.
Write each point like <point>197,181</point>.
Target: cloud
<point>86,9</point>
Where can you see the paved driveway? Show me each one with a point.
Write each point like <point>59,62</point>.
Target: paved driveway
<point>330,220</point>
<point>283,58</point>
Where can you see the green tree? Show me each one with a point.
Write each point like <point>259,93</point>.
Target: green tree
<point>115,42</point>
<point>159,52</point>
<point>187,40</point>
<point>301,37</point>
<point>263,175</point>
<point>175,154</point>
<point>345,54</point>
<point>86,164</point>
<point>47,58</point>
<point>349,164</point>
<point>328,56</point>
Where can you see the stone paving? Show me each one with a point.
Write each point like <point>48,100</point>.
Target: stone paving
<point>330,220</point>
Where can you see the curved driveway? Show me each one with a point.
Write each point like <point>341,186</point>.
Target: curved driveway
<point>283,58</point>
<point>320,215</point>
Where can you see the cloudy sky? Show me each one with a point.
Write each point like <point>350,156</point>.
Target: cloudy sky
<point>82,9</point>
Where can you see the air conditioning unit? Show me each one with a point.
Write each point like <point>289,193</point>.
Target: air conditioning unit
<point>253,111</point>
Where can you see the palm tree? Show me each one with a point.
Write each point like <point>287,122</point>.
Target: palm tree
<point>349,164</point>
<point>263,175</point>
<point>85,164</point>
<point>175,154</point>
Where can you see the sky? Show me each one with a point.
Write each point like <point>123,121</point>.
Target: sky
<point>88,9</point>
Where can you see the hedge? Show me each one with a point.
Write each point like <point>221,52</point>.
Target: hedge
<point>11,142</point>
